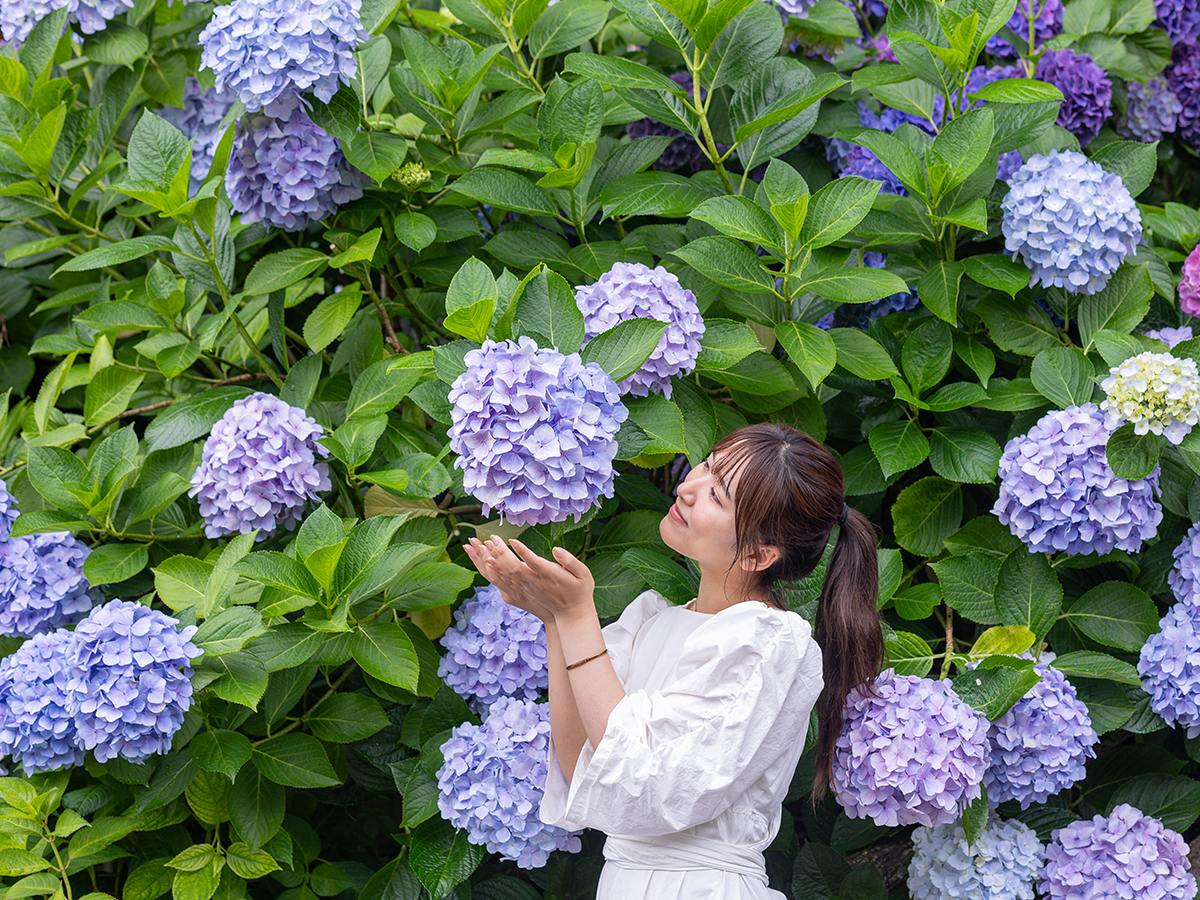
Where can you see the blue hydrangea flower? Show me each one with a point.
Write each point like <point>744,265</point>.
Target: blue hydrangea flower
<point>1047,23</point>
<point>198,119</point>
<point>1058,493</point>
<point>8,511</point>
<point>535,431</point>
<point>259,468</point>
<point>1001,864</point>
<point>287,171</point>
<point>1171,336</point>
<point>36,726</point>
<point>493,781</point>
<point>42,586</point>
<point>17,17</point>
<point>130,680</point>
<point>635,291</point>
<point>795,8</point>
<point>683,151</point>
<point>1071,222</point>
<point>1185,574</point>
<point>265,50</point>
<point>1180,19</point>
<point>1042,744</point>
<point>910,753</point>
<point>494,650</point>
<point>1126,854</point>
<point>1151,111</point>
<point>1183,75</point>
<point>1087,91</point>
<point>1169,666</point>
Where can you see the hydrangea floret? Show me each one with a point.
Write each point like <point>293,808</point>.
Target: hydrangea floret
<point>535,431</point>
<point>18,17</point>
<point>1169,666</point>
<point>1125,855</point>
<point>199,119</point>
<point>633,291</point>
<point>911,753</point>
<point>1180,19</point>
<point>1047,23</point>
<point>494,650</point>
<point>42,585</point>
<point>1002,863</point>
<point>265,50</point>
<point>1157,392</point>
<point>1151,110</point>
<point>37,729</point>
<point>1189,284</point>
<point>259,468</point>
<point>1183,75</point>
<point>1184,577</point>
<point>8,511</point>
<point>1070,222</point>
<point>1058,492</point>
<point>1171,336</point>
<point>130,684</point>
<point>1086,88</point>
<point>795,8</point>
<point>493,780</point>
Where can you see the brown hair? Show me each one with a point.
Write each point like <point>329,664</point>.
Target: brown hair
<point>790,496</point>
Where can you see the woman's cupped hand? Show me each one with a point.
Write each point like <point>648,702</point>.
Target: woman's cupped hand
<point>550,590</point>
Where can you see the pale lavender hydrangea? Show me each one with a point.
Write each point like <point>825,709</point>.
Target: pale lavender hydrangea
<point>494,650</point>
<point>1171,336</point>
<point>683,150</point>
<point>1047,22</point>
<point>198,120</point>
<point>8,511</point>
<point>1123,856</point>
<point>1169,666</point>
<point>1058,493</point>
<point>42,586</point>
<point>130,680</point>
<point>911,753</point>
<point>534,430</point>
<point>267,50</point>
<point>493,781</point>
<point>1180,19</point>
<point>1152,110</point>
<point>1086,88</point>
<point>1071,222</point>
<point>18,17</point>
<point>259,468</point>
<point>1002,862</point>
<point>287,171</point>
<point>1189,284</point>
<point>635,291</point>
<point>1183,75</point>
<point>1185,574</point>
<point>1042,744</point>
<point>36,726</point>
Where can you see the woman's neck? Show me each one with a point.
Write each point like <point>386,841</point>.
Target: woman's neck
<point>718,592</point>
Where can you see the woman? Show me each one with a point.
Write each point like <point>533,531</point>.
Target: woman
<point>676,730</point>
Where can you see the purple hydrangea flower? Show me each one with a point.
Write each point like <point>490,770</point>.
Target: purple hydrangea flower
<point>1180,19</point>
<point>18,17</point>
<point>493,781</point>
<point>1002,862</point>
<point>1071,222</point>
<point>1047,23</point>
<point>1058,493</point>
<point>797,8</point>
<point>633,291</point>
<point>826,321</point>
<point>1171,336</point>
<point>1126,855</point>
<point>494,650</point>
<point>1185,574</point>
<point>1189,284</point>
<point>36,726</point>
<point>877,46</point>
<point>911,753</point>
<point>42,586</point>
<point>535,431</point>
<point>1041,745</point>
<point>1183,75</point>
<point>266,50</point>
<point>683,151</point>
<point>130,680</point>
<point>202,112</point>
<point>259,468</point>
<point>8,511</point>
<point>1151,111</point>
<point>288,172</point>
<point>1169,664</point>
<point>1087,91</point>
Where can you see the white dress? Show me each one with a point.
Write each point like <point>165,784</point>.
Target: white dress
<point>690,775</point>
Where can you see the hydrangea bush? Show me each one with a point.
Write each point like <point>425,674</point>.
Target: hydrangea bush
<point>298,297</point>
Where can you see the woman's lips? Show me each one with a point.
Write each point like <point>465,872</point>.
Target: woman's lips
<point>676,515</point>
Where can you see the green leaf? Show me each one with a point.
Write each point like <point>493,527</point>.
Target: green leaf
<point>925,357</point>
<point>443,857</point>
<point>362,554</point>
<point>472,322</point>
<point>742,218</point>
<point>346,717</point>
<point>1115,613</point>
<point>295,760</point>
<point>117,45</point>
<point>362,250</point>
<point>180,582</point>
<point>862,355</point>
<point>1132,455</point>
<point>111,563</point>
<point>220,751</point>
<point>565,26</point>
<point>326,323</point>
<point>623,349</point>
<point>618,72</point>
<point>966,455</point>
<point>962,146</point>
<point>1007,640</point>
<point>1172,799</point>
<point>256,807</point>
<point>414,230</point>
<point>1121,306</point>
<point>925,514</point>
<point>120,252</point>
<point>652,194</point>
<point>249,863</point>
<point>1133,162</point>
<point>852,285</point>
<point>149,881</point>
<point>546,310</point>
<point>505,190</point>
<point>241,678</point>
<point>185,420</point>
<point>995,685</point>
<point>835,209</point>
<point>15,862</point>
<point>274,569</point>
<point>384,651</point>
<point>1090,664</point>
<point>938,290</point>
<point>810,348</point>
<point>662,420</point>
<point>908,654</point>
<point>108,394</point>
<point>229,630</point>
<point>1020,327</point>
<point>899,446</point>
<point>283,269</point>
<point>1063,375</point>
<point>1028,592</point>
<point>378,153</point>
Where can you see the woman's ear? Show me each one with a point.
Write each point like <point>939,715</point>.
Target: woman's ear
<point>762,558</point>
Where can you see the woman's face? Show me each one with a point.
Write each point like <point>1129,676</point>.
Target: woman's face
<point>700,524</point>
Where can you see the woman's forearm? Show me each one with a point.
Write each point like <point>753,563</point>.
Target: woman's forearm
<point>566,728</point>
<point>594,685</point>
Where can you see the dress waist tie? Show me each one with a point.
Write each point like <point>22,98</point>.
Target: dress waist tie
<point>678,852</point>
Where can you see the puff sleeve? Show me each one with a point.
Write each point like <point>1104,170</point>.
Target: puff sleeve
<point>677,757</point>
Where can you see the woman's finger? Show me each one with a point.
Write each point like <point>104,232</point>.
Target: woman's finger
<point>527,556</point>
<point>571,563</point>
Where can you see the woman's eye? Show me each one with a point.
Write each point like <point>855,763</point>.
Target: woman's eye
<point>713,493</point>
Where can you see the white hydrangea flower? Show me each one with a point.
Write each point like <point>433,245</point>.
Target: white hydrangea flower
<point>1157,392</point>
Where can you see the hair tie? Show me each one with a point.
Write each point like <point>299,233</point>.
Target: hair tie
<point>841,519</point>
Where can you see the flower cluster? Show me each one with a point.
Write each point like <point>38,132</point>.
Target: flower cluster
<point>1183,75</point>
<point>267,50</point>
<point>1151,111</point>
<point>42,586</point>
<point>683,151</point>
<point>18,17</point>
<point>1071,222</point>
<point>1189,284</point>
<point>632,291</point>
<point>37,728</point>
<point>494,650</point>
<point>493,780</point>
<point>1126,855</point>
<point>130,681</point>
<point>1086,88</point>
<point>1169,666</point>
<point>1047,22</point>
<point>8,511</point>
<point>1185,574</point>
<point>1002,862</point>
<point>1180,19</point>
<point>797,8</point>
<point>1157,392</point>
<point>259,468</point>
<point>910,753</point>
<point>202,112</point>
<point>1171,336</point>
<point>1042,744</point>
<point>861,315</point>
<point>535,431</point>
<point>287,171</point>
<point>1058,493</point>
